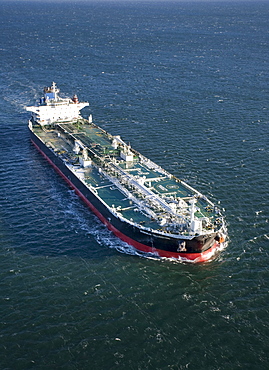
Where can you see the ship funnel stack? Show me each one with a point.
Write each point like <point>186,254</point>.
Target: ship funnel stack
<point>75,99</point>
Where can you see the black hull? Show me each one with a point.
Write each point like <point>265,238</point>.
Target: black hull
<point>198,249</point>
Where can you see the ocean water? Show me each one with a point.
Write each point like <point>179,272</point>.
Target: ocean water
<point>187,85</point>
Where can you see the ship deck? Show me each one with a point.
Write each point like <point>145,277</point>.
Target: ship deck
<point>99,143</point>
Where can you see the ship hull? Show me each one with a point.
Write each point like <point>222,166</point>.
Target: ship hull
<point>198,249</point>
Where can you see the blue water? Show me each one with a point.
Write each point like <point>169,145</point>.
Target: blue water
<point>187,85</point>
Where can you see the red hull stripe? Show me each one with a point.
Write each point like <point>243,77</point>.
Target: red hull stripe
<point>197,257</point>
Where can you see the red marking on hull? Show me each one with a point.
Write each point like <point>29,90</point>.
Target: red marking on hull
<point>194,257</point>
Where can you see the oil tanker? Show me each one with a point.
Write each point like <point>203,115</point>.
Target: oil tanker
<point>139,201</point>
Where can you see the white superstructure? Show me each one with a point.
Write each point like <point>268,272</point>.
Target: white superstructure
<point>52,108</point>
